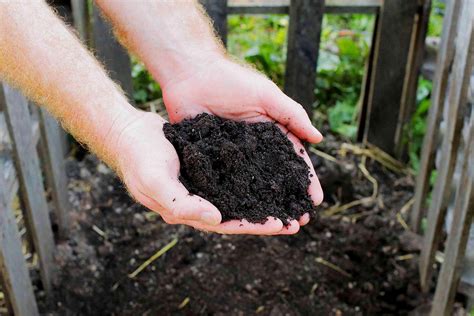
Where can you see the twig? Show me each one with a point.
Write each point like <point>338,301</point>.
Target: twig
<point>376,154</point>
<point>99,231</point>
<point>407,206</point>
<point>333,267</point>
<point>184,303</point>
<point>375,187</point>
<point>405,257</point>
<point>158,254</point>
<point>338,209</point>
<point>402,221</point>
<point>322,154</point>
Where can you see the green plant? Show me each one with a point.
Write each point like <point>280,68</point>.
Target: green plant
<point>261,41</point>
<point>345,42</point>
<point>436,18</point>
<point>145,88</point>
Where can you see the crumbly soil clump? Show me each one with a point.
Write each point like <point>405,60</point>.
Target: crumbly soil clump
<point>248,171</point>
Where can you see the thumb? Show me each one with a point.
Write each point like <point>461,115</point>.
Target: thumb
<point>292,115</point>
<point>183,205</point>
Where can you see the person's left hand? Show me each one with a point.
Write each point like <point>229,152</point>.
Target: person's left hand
<point>233,91</point>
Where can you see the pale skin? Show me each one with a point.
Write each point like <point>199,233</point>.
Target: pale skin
<point>176,42</point>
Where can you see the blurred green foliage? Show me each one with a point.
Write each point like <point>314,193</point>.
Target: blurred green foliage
<point>144,87</point>
<point>345,46</point>
<point>261,41</point>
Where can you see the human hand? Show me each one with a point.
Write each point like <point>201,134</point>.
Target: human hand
<point>149,167</point>
<point>233,91</point>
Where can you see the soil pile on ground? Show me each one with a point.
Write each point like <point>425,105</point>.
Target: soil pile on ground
<point>248,171</point>
<point>349,264</point>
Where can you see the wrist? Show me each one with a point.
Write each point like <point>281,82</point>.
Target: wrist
<point>112,133</point>
<point>179,65</point>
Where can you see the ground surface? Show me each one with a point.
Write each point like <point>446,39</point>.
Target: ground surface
<point>248,171</point>
<point>362,263</point>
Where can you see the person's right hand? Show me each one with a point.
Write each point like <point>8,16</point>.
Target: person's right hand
<point>149,167</point>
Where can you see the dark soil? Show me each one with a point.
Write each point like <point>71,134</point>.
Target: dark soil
<point>211,274</point>
<point>248,171</point>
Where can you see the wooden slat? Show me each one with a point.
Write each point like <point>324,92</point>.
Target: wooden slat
<point>55,169</point>
<point>4,131</point>
<point>366,83</point>
<point>457,100</point>
<point>10,178</point>
<point>28,169</point>
<point>111,53</point>
<point>438,95</point>
<point>463,214</point>
<point>390,64</point>
<point>302,55</point>
<point>14,274</point>
<point>217,11</point>
<point>80,18</point>
<point>415,62</point>
<point>283,6</point>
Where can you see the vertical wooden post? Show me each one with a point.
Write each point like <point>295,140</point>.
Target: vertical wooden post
<point>304,34</point>
<point>388,74</point>
<point>217,11</point>
<point>438,96</point>
<point>80,18</point>
<point>457,100</point>
<point>28,170</point>
<point>415,61</point>
<point>111,53</point>
<point>463,214</point>
<point>14,274</point>
<point>55,169</point>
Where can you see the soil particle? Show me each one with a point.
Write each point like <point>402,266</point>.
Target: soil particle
<point>248,171</point>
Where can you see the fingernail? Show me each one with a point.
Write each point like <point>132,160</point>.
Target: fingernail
<point>318,133</point>
<point>210,218</point>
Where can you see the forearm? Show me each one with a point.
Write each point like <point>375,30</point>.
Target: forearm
<point>45,60</point>
<point>168,36</point>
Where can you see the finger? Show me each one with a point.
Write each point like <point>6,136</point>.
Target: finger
<point>292,115</point>
<point>304,219</point>
<point>314,190</point>
<point>243,227</point>
<point>169,194</point>
<point>292,228</point>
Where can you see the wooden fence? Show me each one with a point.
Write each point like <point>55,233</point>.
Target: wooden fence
<point>450,105</point>
<point>387,101</point>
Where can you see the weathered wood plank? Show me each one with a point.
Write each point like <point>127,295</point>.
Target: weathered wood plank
<point>415,62</point>
<point>28,169</point>
<point>55,170</point>
<point>14,274</point>
<point>111,53</point>
<point>283,6</point>
<point>366,83</point>
<point>390,62</point>
<point>304,34</point>
<point>217,11</point>
<point>463,214</point>
<point>10,178</point>
<point>438,95</point>
<point>457,100</point>
<point>4,131</point>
